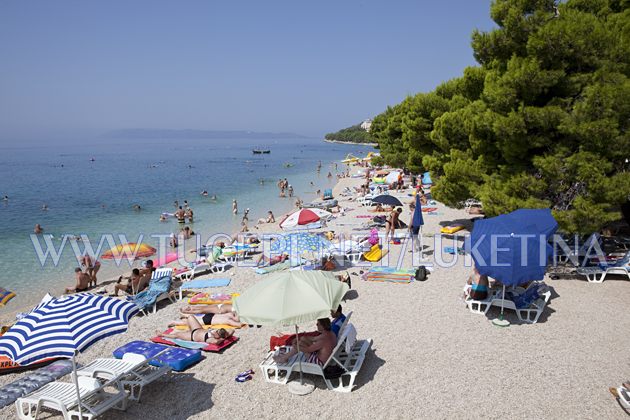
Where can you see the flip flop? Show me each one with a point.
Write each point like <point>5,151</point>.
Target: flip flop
<point>249,372</point>
<point>243,378</point>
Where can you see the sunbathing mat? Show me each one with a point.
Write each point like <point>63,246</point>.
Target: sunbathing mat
<point>215,348</point>
<point>207,299</point>
<point>32,381</point>
<point>390,274</point>
<point>375,254</point>
<point>428,209</point>
<point>204,283</point>
<point>176,357</point>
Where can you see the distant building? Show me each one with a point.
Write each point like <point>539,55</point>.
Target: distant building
<point>366,125</point>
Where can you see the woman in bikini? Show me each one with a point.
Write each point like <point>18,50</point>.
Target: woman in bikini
<point>197,332</point>
<point>220,308</point>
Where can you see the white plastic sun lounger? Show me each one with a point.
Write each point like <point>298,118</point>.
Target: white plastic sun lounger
<point>96,399</point>
<point>133,372</point>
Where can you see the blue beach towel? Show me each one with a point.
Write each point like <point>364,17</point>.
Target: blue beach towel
<point>147,297</point>
<point>205,283</point>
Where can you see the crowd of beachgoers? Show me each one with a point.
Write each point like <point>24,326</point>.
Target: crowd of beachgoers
<point>434,351</point>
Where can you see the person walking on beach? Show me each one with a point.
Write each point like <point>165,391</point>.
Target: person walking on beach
<point>234,206</point>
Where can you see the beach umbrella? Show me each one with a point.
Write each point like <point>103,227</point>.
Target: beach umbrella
<point>417,221</point>
<point>291,298</point>
<point>304,216</point>
<point>388,200</point>
<point>129,250</point>
<point>58,328</point>
<point>392,177</point>
<point>299,243</point>
<point>513,248</point>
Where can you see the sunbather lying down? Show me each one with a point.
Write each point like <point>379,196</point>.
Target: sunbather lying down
<point>198,333</point>
<point>229,318</point>
<point>220,308</point>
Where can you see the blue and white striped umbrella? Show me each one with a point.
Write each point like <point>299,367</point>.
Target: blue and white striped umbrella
<point>61,326</point>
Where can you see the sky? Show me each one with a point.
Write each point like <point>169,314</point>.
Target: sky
<point>81,68</point>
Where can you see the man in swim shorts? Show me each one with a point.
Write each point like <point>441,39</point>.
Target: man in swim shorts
<point>317,349</point>
<point>83,282</point>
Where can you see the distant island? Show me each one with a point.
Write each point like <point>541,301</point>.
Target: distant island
<point>355,134</point>
<point>150,133</point>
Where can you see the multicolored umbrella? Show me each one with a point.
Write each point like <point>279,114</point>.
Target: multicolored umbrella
<point>300,242</point>
<point>129,251</point>
<point>304,217</point>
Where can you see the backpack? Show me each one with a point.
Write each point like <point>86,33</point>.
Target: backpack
<point>421,273</point>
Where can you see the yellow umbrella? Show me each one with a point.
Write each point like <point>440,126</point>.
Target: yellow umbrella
<point>131,250</point>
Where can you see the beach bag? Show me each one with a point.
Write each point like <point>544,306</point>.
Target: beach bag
<point>333,372</point>
<point>421,273</point>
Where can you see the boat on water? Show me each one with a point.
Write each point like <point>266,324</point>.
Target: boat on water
<point>261,151</point>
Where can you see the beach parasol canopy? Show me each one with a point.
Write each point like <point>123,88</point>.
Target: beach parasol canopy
<point>388,200</point>
<point>61,327</point>
<point>291,298</point>
<point>304,217</point>
<point>392,177</point>
<point>299,242</point>
<point>129,251</point>
<point>513,248</point>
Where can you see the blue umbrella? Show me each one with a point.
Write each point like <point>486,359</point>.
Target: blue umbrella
<point>417,219</point>
<point>388,200</point>
<point>513,248</point>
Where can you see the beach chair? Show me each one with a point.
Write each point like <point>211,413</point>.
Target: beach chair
<point>577,258</point>
<point>598,274</point>
<point>96,399</point>
<point>529,313</point>
<point>480,307</point>
<point>199,267</point>
<point>279,373</point>
<point>158,290</point>
<point>133,372</point>
<point>623,396</point>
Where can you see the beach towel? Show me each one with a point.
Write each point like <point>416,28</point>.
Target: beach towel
<point>211,326</point>
<point>215,348</point>
<point>147,297</point>
<point>363,216</point>
<point>211,299</point>
<point>390,274</point>
<point>428,209</point>
<point>276,267</point>
<point>285,340</point>
<point>205,283</point>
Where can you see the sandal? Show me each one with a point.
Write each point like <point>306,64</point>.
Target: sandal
<point>243,378</point>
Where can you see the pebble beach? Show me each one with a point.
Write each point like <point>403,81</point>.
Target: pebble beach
<point>430,356</point>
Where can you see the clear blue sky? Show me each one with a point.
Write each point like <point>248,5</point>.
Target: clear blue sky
<point>74,68</point>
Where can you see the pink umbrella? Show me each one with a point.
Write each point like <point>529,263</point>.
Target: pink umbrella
<point>304,217</point>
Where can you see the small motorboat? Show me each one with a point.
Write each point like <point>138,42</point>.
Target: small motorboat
<point>260,152</point>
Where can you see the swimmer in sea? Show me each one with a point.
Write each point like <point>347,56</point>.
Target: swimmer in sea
<point>136,207</point>
<point>38,229</point>
<point>162,218</point>
<point>5,198</point>
<point>44,207</point>
<point>214,197</point>
<point>204,193</point>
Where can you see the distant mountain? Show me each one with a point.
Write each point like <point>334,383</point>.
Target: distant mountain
<point>149,133</point>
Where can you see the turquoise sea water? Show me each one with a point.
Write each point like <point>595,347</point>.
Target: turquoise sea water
<point>96,197</point>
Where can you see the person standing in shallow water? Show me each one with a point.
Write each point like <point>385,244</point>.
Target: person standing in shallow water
<point>234,206</point>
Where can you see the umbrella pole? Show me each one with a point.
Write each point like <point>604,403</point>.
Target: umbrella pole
<point>500,322</point>
<point>297,343</point>
<point>76,383</point>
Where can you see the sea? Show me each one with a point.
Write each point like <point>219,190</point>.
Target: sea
<point>91,187</point>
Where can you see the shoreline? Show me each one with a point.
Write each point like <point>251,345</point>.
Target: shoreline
<point>351,143</point>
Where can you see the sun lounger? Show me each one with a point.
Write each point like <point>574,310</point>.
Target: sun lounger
<point>623,396</point>
<point>346,364</point>
<point>478,306</point>
<point>528,313</point>
<point>215,348</point>
<point>96,399</point>
<point>159,288</point>
<point>133,372</point>
<point>598,274</point>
